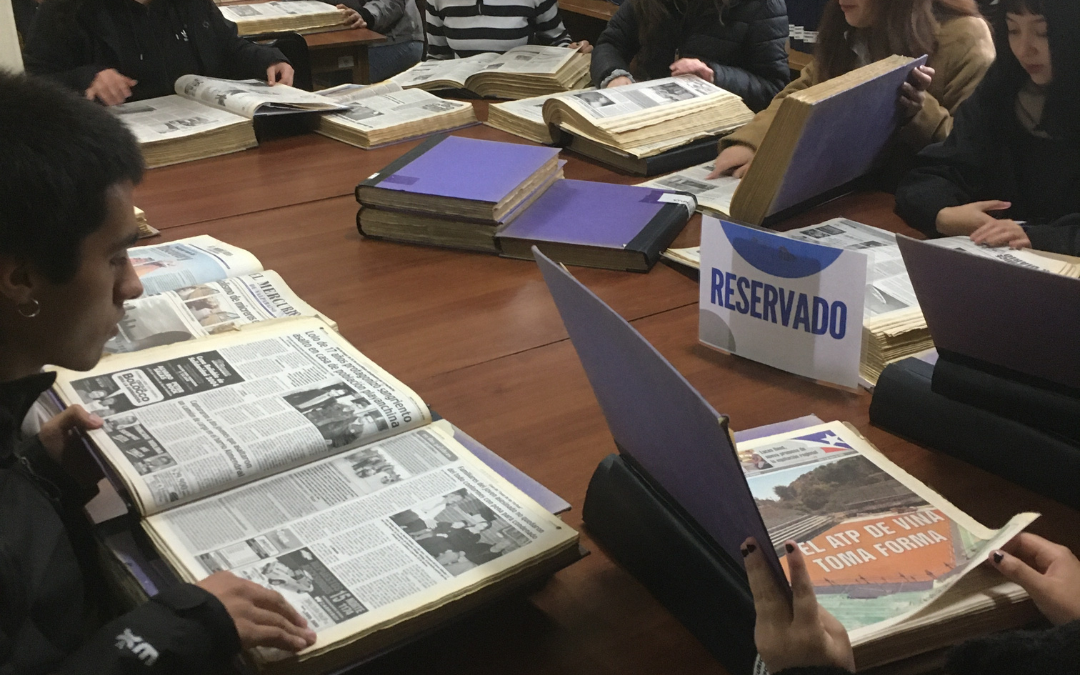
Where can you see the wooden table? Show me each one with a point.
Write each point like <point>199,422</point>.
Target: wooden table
<point>479,338</point>
<point>342,50</point>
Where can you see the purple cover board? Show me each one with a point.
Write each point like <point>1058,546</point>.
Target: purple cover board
<point>842,138</point>
<point>659,419</point>
<point>1024,319</point>
<point>467,168</point>
<point>587,213</point>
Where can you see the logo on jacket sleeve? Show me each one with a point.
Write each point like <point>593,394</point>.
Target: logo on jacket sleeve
<point>137,646</point>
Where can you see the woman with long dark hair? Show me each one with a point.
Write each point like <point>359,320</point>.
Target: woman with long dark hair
<point>854,33</point>
<point>738,45</point>
<point>1010,172</point>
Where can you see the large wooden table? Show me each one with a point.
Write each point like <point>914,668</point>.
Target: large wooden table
<point>479,338</point>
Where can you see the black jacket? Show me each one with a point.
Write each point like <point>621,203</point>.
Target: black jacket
<point>48,578</point>
<point>1055,651</point>
<point>73,40</point>
<point>744,44</point>
<point>989,155</point>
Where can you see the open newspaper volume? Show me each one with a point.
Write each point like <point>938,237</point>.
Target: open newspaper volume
<point>281,453</point>
<point>209,116</point>
<point>385,113</point>
<point>297,16</point>
<point>623,125</point>
<point>893,323</point>
<point>522,72</point>
<point>895,562</point>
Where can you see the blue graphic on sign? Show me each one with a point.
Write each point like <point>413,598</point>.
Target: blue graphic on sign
<point>778,256</point>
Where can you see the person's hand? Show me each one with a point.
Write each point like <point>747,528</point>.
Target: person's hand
<point>63,443</point>
<point>967,218</point>
<point>793,634</point>
<point>351,17</point>
<point>1048,572</point>
<point>1001,233</point>
<point>692,67</point>
<point>582,46</point>
<point>263,617</point>
<point>913,92</point>
<point>110,87</point>
<point>620,81</point>
<point>279,73</point>
<point>734,160</point>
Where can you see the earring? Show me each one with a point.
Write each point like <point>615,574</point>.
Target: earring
<point>35,309</point>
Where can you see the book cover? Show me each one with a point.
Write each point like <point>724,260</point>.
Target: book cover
<point>463,168</point>
<point>621,218</point>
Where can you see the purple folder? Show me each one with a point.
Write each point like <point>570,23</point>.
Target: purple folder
<point>463,168</point>
<point>659,420</point>
<point>1023,319</point>
<point>842,138</point>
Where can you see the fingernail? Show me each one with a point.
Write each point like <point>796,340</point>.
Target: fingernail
<point>997,556</point>
<point>789,547</point>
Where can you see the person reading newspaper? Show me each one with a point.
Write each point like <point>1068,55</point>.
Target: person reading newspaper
<point>66,222</point>
<point>799,637</point>
<point>119,50</point>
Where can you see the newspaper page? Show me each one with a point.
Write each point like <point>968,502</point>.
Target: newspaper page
<point>208,309</point>
<point>250,97</point>
<point>531,59</point>
<point>888,288</point>
<point>188,262</point>
<point>879,544</point>
<point>713,196</point>
<point>1018,257</point>
<point>444,70</point>
<point>634,98</point>
<point>196,418</point>
<point>386,108</point>
<point>530,109</point>
<point>170,117</point>
<point>267,11</point>
<point>367,536</point>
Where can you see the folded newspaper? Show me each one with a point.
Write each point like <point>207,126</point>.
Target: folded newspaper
<point>281,453</point>
<point>385,113</point>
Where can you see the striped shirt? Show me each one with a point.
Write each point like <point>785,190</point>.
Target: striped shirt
<point>466,27</point>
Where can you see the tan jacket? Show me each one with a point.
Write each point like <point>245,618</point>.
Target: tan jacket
<point>965,51</point>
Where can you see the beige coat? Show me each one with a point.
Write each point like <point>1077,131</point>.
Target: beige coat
<point>965,51</point>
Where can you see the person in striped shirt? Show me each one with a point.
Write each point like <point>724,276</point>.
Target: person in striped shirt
<point>460,28</point>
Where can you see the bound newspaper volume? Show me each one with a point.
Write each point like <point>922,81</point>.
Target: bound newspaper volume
<point>522,72</point>
<point>298,16</point>
<point>281,453</point>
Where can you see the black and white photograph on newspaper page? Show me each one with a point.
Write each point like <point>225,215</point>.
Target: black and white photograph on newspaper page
<point>150,322</point>
<point>459,531</point>
<point>144,451</point>
<point>339,412</point>
<point>308,585</point>
<point>373,469</point>
<point>250,551</point>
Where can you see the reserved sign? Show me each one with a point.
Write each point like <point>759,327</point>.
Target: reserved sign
<point>789,304</point>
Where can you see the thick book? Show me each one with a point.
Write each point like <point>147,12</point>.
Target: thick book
<point>209,116</point>
<point>905,404</point>
<point>281,453</point>
<point>434,179</point>
<point>644,119</point>
<point>576,222</point>
<point>1037,403</point>
<point>1028,322</point>
<point>385,113</point>
<point>895,562</point>
<point>674,159</point>
<point>522,72</point>
<point>823,138</point>
<point>291,16</point>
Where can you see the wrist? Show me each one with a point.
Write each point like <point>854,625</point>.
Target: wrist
<point>616,74</point>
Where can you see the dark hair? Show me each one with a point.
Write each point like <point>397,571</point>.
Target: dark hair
<point>660,22</point>
<point>59,155</point>
<point>1061,115</point>
<point>905,27</point>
